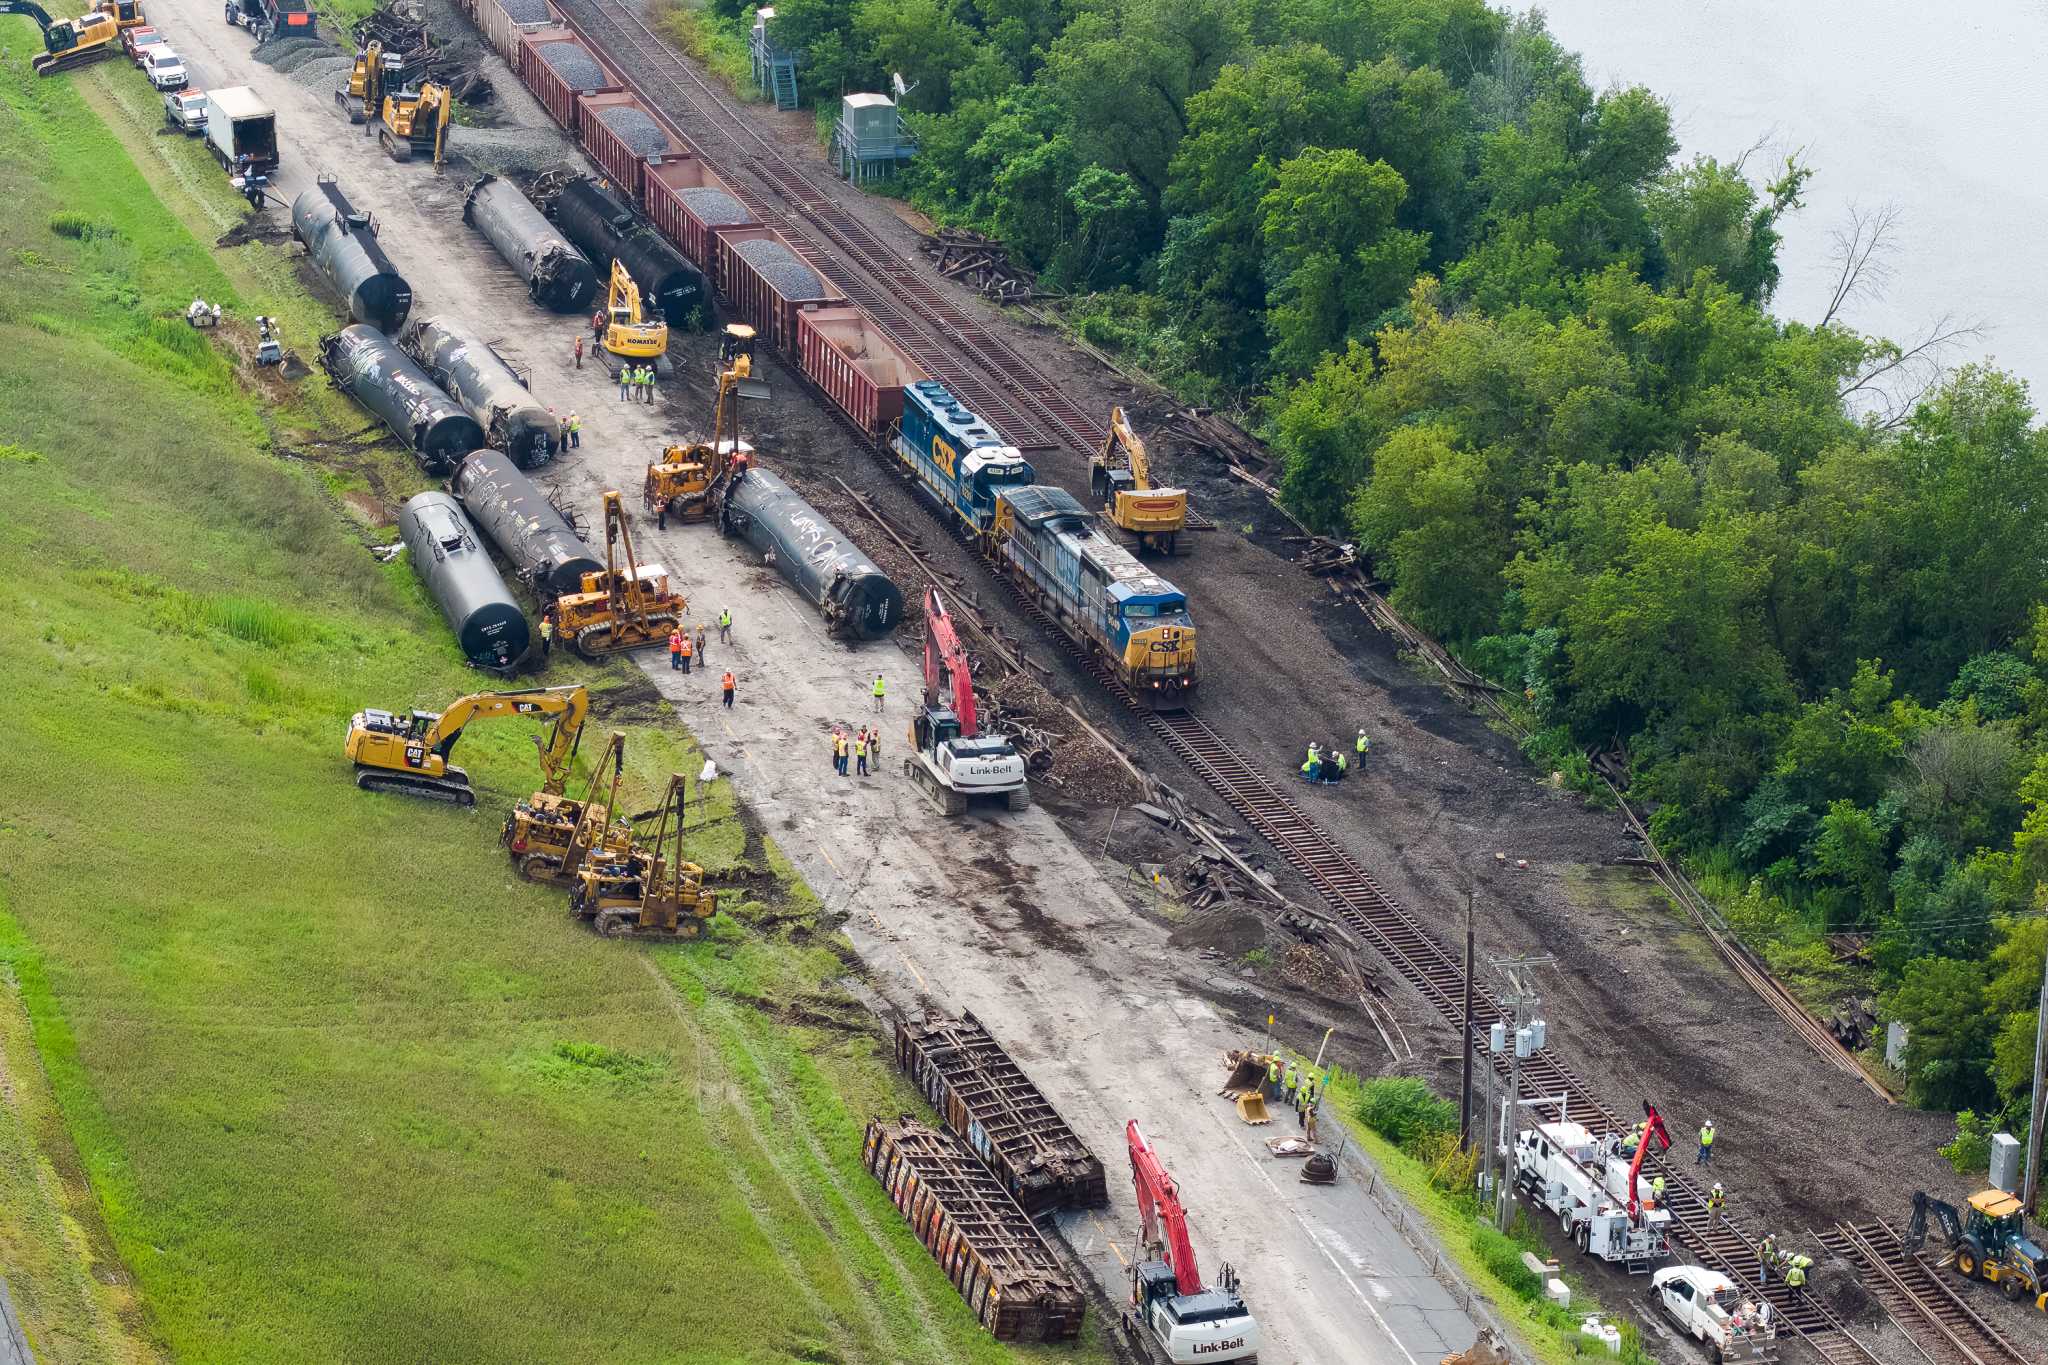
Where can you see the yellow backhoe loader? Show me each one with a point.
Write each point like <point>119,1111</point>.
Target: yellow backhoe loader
<point>549,835</point>
<point>1121,475</point>
<point>629,605</point>
<point>650,889</point>
<point>410,753</point>
<point>685,478</point>
<point>629,335</point>
<point>415,122</point>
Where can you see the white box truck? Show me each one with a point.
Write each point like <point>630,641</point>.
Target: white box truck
<point>239,125</point>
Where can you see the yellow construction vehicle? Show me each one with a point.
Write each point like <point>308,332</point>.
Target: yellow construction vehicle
<point>1121,475</point>
<point>549,835</point>
<point>415,121</point>
<point>685,477</point>
<point>646,890</point>
<point>1989,1242</point>
<point>71,43</point>
<point>126,14</point>
<point>410,753</point>
<point>362,99</point>
<point>630,335</point>
<point>629,605</point>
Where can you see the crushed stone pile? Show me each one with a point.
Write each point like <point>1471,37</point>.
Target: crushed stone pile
<point>577,68</point>
<point>715,208</point>
<point>784,270</point>
<point>635,129</point>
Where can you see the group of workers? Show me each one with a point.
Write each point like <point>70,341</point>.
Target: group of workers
<point>863,748</point>
<point>1333,765</point>
<point>1296,1087</point>
<point>1793,1266</point>
<point>636,383</point>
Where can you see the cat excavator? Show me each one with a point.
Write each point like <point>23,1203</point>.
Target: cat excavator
<point>410,753</point>
<point>548,835</point>
<point>629,335</point>
<point>375,71</point>
<point>629,605</point>
<point>72,43</point>
<point>1121,475</point>
<point>687,476</point>
<point>646,890</point>
<point>415,121</point>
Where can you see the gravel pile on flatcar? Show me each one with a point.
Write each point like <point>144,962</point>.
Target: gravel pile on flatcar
<point>635,129</point>
<point>784,270</point>
<point>573,64</point>
<point>715,208</point>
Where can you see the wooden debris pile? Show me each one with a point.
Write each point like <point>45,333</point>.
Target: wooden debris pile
<point>982,262</point>
<point>402,29</point>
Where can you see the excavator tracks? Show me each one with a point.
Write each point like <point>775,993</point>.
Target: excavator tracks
<point>594,642</point>
<point>50,63</point>
<point>454,789</point>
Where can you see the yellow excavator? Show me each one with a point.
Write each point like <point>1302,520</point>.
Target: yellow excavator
<point>415,121</point>
<point>72,43</point>
<point>646,890</point>
<point>683,480</point>
<point>1121,476</point>
<point>629,335</point>
<point>410,753</point>
<point>549,835</point>
<point>629,605</point>
<point>362,99</point>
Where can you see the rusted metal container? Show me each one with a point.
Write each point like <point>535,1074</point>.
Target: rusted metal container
<point>623,138</point>
<point>981,1237</point>
<point>557,68</point>
<point>986,1098</point>
<point>503,21</point>
<point>691,205</point>
<point>768,281</point>
<point>856,364</point>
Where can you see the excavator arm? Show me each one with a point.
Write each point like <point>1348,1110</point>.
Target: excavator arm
<point>1159,1210</point>
<point>947,681</point>
<point>1950,1221</point>
<point>1121,434</point>
<point>564,702</point>
<point>33,11</point>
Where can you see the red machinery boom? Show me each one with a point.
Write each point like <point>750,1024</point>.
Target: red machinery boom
<point>1159,1203</point>
<point>945,665</point>
<point>1653,1130</point>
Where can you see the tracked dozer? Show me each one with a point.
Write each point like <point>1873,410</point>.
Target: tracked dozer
<point>686,479</point>
<point>629,605</point>
<point>548,835</point>
<point>409,753</point>
<point>646,890</point>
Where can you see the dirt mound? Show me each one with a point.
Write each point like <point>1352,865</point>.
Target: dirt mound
<point>1836,1282</point>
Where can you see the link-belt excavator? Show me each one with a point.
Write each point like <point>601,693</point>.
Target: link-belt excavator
<point>629,335</point>
<point>687,478</point>
<point>1121,475</point>
<point>629,605</point>
<point>70,43</point>
<point>1990,1242</point>
<point>949,756</point>
<point>1188,1320</point>
<point>410,753</point>
<point>549,835</point>
<point>650,889</point>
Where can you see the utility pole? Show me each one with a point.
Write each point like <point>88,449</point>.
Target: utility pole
<point>1524,1037</point>
<point>1465,1086</point>
<point>2038,1110</point>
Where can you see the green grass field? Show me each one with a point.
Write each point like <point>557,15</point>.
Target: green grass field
<point>295,1073</point>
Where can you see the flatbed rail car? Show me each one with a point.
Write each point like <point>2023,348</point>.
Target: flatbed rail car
<point>981,1237</point>
<point>986,1098</point>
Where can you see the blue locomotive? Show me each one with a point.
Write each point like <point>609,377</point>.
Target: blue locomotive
<point>1052,547</point>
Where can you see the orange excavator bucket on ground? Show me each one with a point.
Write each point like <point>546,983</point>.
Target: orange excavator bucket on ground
<point>1252,1108</point>
<point>1247,1075</point>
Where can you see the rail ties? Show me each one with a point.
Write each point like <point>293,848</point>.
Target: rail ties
<point>1905,1282</point>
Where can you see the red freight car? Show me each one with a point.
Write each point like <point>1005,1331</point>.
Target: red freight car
<point>692,206</point>
<point>769,282</point>
<point>502,21</point>
<point>557,68</point>
<point>857,366</point>
<point>622,137</point>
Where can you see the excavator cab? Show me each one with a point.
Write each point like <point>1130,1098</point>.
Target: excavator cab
<point>126,14</point>
<point>415,120</point>
<point>736,358</point>
<point>628,333</point>
<point>682,482</point>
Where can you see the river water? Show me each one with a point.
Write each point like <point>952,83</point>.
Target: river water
<point>1938,109</point>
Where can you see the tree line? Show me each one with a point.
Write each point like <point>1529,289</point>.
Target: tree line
<point>1521,354</point>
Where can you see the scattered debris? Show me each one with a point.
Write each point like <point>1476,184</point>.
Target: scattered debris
<point>982,262</point>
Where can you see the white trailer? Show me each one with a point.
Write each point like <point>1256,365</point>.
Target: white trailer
<point>1563,1168</point>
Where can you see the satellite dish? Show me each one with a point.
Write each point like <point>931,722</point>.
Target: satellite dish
<point>896,82</point>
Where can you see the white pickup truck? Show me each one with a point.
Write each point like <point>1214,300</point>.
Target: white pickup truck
<point>1710,1308</point>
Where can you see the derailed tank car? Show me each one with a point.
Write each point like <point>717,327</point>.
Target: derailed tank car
<point>488,389</point>
<point>856,597</point>
<point>343,245</point>
<point>511,509</point>
<point>605,227</point>
<point>450,558</point>
<point>558,276</point>
<point>369,367</point>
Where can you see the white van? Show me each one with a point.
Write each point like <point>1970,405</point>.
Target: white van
<point>166,69</point>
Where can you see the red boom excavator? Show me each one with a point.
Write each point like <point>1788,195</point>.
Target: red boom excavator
<point>1186,1319</point>
<point>950,757</point>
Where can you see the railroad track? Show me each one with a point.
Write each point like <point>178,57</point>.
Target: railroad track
<point>1908,1286</point>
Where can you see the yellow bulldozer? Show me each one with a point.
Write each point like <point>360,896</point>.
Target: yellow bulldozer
<point>549,835</point>
<point>1121,475</point>
<point>72,43</point>
<point>409,753</point>
<point>683,481</point>
<point>629,335</point>
<point>629,605</point>
<point>650,889</point>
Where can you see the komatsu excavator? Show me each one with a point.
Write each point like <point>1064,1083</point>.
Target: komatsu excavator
<point>410,753</point>
<point>949,756</point>
<point>629,335</point>
<point>646,890</point>
<point>1189,1321</point>
<point>69,43</point>
<point>549,834</point>
<point>415,121</point>
<point>629,605</point>
<point>686,479</point>
<point>1121,475</point>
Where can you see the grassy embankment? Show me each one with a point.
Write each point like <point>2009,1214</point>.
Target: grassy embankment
<point>296,1073</point>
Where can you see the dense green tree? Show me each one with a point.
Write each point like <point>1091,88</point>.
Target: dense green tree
<point>1333,254</point>
<point>1708,216</point>
<point>919,39</point>
<point>1948,1038</point>
<point>1428,512</point>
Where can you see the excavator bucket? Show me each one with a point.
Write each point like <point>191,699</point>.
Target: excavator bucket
<point>1247,1072</point>
<point>1251,1108</point>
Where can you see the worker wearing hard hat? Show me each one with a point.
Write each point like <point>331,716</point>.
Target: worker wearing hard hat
<point>1706,1156</point>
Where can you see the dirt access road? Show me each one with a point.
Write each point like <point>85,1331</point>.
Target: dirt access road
<point>1004,916</point>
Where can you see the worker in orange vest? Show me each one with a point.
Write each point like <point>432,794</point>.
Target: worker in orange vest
<point>675,649</point>
<point>727,682</point>
<point>686,650</point>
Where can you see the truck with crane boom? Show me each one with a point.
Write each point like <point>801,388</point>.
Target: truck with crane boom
<point>1596,1190</point>
<point>410,753</point>
<point>1170,1306</point>
<point>949,756</point>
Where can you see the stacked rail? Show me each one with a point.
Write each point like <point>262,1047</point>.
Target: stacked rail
<point>988,1101</point>
<point>981,1237</point>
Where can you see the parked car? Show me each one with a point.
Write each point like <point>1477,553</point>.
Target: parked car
<point>185,110</point>
<point>137,42</point>
<point>165,68</point>
<point>1710,1308</point>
